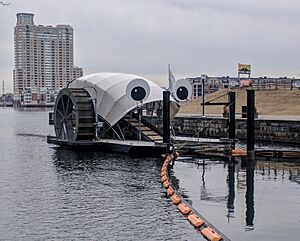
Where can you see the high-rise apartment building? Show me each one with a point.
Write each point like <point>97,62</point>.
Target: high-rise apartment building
<point>77,72</point>
<point>44,56</point>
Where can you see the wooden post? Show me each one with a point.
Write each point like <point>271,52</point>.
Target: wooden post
<point>166,117</point>
<point>231,188</point>
<point>231,129</point>
<point>250,195</point>
<point>250,123</point>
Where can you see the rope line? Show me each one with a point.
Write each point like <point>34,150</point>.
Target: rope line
<point>184,144</point>
<point>217,97</point>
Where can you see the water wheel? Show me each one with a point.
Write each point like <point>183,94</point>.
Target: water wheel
<point>74,116</point>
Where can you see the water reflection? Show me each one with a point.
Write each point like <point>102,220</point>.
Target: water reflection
<point>252,191</point>
<point>231,189</point>
<point>119,196</point>
<point>250,195</point>
<point>176,183</point>
<point>70,160</point>
<point>275,170</point>
<point>203,192</point>
<point>244,181</point>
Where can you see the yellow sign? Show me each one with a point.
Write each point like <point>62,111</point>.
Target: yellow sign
<point>244,68</point>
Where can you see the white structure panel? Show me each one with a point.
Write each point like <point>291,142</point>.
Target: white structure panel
<point>109,91</point>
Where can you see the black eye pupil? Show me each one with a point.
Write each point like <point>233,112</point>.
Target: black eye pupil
<point>138,93</point>
<point>182,93</point>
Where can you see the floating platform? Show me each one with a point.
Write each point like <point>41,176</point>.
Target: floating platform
<point>130,147</point>
<point>203,146</point>
<point>278,155</point>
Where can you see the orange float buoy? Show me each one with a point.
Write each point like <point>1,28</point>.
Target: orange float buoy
<point>170,191</point>
<point>210,234</point>
<point>166,184</point>
<point>169,159</point>
<point>183,208</point>
<point>163,178</point>
<point>195,220</point>
<point>239,152</point>
<point>163,173</point>
<point>175,199</point>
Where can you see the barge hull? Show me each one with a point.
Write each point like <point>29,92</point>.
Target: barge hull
<point>132,148</point>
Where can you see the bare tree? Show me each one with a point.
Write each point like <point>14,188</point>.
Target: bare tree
<point>4,4</point>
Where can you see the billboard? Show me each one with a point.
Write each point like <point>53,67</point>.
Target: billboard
<point>244,69</point>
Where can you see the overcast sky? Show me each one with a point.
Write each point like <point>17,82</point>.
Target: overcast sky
<point>144,36</point>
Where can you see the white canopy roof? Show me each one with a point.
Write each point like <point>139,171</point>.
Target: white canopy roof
<point>109,90</point>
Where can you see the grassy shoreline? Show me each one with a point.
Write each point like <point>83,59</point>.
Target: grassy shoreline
<point>268,102</point>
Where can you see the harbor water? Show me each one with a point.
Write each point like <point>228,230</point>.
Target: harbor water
<point>257,202</point>
<point>49,193</point>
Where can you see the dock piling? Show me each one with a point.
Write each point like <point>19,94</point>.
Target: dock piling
<point>231,189</point>
<point>231,100</point>
<point>250,211</point>
<point>250,123</point>
<point>166,117</point>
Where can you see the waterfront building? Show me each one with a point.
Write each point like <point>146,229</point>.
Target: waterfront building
<point>213,84</point>
<point>44,58</point>
<point>77,72</point>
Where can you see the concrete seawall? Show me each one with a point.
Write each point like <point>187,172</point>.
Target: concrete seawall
<point>270,130</point>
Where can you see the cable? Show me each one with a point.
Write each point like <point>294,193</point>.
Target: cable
<point>217,97</point>
<point>184,144</point>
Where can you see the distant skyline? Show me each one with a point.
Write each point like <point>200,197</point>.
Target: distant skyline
<point>142,37</point>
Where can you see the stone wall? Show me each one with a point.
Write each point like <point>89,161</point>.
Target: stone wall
<point>277,131</point>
